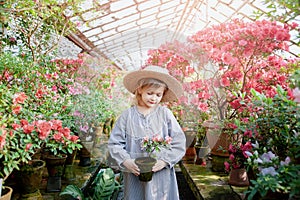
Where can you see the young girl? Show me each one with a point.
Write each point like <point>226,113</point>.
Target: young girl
<point>151,86</point>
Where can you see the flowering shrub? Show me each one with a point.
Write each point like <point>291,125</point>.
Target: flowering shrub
<point>180,58</point>
<point>243,56</point>
<point>50,134</point>
<point>273,129</point>
<point>32,99</point>
<point>272,173</point>
<point>97,96</point>
<point>238,154</point>
<point>90,111</point>
<point>155,143</point>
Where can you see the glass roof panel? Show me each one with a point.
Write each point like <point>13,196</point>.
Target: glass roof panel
<point>124,30</point>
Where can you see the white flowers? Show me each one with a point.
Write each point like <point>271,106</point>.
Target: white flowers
<point>269,170</point>
<point>267,163</point>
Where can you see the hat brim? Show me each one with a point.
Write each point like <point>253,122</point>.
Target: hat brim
<point>173,93</point>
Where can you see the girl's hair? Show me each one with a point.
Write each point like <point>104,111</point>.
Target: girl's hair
<point>148,83</point>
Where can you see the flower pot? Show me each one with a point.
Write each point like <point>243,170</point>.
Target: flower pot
<point>217,163</point>
<point>190,153</point>
<point>201,153</point>
<point>69,173</point>
<point>86,153</point>
<point>6,193</point>
<point>218,140</point>
<point>55,167</point>
<point>238,177</point>
<point>145,165</point>
<point>71,157</point>
<point>30,176</point>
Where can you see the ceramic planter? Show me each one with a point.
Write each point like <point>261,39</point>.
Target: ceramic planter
<point>145,164</point>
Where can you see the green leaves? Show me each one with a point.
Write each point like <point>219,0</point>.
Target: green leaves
<point>103,187</point>
<point>105,184</point>
<point>74,191</point>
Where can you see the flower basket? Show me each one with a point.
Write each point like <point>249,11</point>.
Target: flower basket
<point>145,164</point>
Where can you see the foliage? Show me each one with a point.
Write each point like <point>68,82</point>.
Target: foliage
<point>155,143</point>
<point>32,95</point>
<point>103,187</point>
<point>34,28</point>
<point>244,56</point>
<point>273,129</point>
<point>238,150</point>
<point>90,111</point>
<point>284,11</point>
<point>98,96</point>
<point>74,191</point>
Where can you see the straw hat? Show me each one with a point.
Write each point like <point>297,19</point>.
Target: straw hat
<point>174,91</point>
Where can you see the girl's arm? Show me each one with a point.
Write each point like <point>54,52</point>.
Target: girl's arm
<point>117,144</point>
<point>178,144</point>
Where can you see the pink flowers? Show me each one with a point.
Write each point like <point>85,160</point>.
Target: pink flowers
<point>238,155</point>
<point>48,132</point>
<point>155,143</point>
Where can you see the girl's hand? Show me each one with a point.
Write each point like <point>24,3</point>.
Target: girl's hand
<point>131,166</point>
<point>159,165</point>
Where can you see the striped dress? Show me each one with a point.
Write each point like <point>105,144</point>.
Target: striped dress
<point>125,143</point>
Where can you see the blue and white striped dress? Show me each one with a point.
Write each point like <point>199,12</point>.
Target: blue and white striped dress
<point>125,143</point>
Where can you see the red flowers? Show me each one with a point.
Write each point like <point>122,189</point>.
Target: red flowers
<point>19,98</point>
<point>42,131</point>
<point>238,155</point>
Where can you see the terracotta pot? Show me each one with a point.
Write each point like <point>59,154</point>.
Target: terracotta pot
<point>86,153</point>
<point>30,176</point>
<point>6,193</point>
<point>145,164</point>
<point>70,158</point>
<point>219,143</point>
<point>238,177</point>
<point>55,165</point>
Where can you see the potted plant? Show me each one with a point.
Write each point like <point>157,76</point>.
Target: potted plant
<point>244,59</point>
<point>104,186</point>
<point>235,166</point>
<point>150,145</point>
<point>30,109</point>
<point>273,129</point>
<point>91,110</point>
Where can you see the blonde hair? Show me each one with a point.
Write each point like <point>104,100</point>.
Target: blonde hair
<point>147,83</point>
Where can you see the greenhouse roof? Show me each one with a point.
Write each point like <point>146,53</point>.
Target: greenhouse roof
<point>124,30</point>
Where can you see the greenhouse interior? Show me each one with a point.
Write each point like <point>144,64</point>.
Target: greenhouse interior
<point>208,89</point>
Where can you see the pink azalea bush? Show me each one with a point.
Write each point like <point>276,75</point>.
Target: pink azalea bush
<point>177,57</point>
<point>97,95</point>
<point>220,65</point>
<point>245,55</point>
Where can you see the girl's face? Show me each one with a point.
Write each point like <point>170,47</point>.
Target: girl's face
<point>151,96</point>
